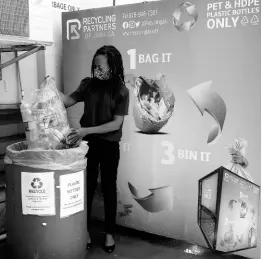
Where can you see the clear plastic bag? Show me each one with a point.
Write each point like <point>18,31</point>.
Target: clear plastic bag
<point>45,120</point>
<point>238,149</point>
<point>66,159</point>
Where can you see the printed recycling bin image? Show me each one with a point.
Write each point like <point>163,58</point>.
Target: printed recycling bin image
<point>228,211</point>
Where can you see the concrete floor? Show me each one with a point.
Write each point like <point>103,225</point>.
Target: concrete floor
<point>131,244</point>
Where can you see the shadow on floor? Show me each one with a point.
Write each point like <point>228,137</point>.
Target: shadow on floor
<point>133,244</point>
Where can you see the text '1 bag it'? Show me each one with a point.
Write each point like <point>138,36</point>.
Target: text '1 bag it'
<point>45,120</point>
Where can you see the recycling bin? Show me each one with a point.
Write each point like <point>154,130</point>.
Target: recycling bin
<point>45,202</point>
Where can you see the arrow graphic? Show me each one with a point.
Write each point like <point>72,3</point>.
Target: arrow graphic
<point>207,100</point>
<point>73,30</point>
<point>160,198</point>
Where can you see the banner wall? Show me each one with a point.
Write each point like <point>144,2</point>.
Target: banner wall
<point>193,73</point>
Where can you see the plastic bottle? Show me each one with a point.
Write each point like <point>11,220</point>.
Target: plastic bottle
<point>26,112</point>
<point>28,121</point>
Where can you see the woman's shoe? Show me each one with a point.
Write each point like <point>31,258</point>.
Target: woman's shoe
<point>109,249</point>
<point>88,246</point>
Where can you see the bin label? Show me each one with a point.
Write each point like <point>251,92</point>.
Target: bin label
<point>38,193</point>
<point>72,194</point>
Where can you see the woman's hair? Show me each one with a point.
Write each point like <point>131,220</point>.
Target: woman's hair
<point>115,63</point>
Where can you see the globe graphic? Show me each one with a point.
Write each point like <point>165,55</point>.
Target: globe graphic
<point>185,17</point>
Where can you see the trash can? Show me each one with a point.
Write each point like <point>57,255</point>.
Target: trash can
<point>46,202</point>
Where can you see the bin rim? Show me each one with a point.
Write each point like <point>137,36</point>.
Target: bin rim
<point>41,150</point>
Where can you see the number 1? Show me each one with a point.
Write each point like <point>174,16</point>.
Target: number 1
<point>132,54</point>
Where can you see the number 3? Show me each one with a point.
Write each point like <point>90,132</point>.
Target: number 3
<point>169,152</point>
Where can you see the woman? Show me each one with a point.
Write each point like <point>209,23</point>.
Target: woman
<point>106,101</point>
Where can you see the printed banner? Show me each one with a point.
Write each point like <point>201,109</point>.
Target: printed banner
<point>193,73</point>
<point>71,194</point>
<point>38,193</point>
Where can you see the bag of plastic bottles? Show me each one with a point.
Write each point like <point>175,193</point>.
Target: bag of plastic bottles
<point>45,120</point>
<point>239,163</point>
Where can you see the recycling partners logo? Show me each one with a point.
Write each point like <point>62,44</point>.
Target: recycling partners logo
<point>37,183</point>
<point>185,17</point>
<point>73,29</point>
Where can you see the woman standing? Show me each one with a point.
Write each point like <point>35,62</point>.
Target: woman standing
<point>106,101</point>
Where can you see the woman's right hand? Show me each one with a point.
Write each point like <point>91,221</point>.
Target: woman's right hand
<point>237,158</point>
